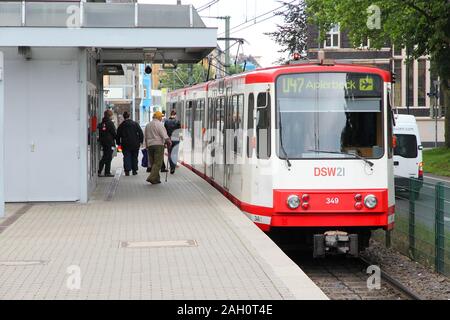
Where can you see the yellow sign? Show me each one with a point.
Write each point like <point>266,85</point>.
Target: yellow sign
<point>366,84</point>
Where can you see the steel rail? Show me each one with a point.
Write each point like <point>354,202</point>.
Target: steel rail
<point>395,283</point>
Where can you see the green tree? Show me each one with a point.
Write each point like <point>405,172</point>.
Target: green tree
<point>291,35</point>
<point>235,69</point>
<point>420,26</point>
<point>181,76</point>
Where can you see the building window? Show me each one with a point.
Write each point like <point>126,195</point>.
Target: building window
<point>398,83</point>
<point>410,84</point>
<point>421,87</point>
<point>332,38</point>
<point>365,44</point>
<point>397,51</point>
<point>434,77</point>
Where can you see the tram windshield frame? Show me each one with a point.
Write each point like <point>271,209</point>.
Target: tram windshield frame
<point>339,112</point>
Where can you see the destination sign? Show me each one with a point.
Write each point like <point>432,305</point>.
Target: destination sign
<point>308,84</point>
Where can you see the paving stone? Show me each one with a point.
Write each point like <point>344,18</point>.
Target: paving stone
<point>224,265</point>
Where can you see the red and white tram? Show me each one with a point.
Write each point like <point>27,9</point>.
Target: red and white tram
<point>304,146</point>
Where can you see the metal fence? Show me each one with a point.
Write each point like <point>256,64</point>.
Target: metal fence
<point>422,229</point>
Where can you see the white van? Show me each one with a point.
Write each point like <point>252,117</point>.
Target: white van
<point>408,160</point>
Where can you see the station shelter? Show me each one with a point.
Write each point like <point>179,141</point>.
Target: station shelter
<point>53,56</point>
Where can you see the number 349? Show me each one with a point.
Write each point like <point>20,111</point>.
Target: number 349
<point>331,201</point>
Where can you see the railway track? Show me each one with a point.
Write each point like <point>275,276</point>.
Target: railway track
<point>343,278</point>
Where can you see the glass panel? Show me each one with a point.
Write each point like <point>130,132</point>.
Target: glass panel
<point>109,15</point>
<point>164,16</point>
<point>398,83</point>
<point>410,84</point>
<point>10,14</point>
<point>250,123</point>
<point>365,42</point>
<point>335,40</point>
<point>406,146</point>
<point>397,51</point>
<point>328,40</point>
<point>335,28</point>
<point>422,91</point>
<point>330,115</point>
<point>263,126</point>
<point>55,14</point>
<point>188,119</point>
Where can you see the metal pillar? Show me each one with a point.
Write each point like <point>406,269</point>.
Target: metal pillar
<point>2,154</point>
<point>84,182</point>
<point>227,44</point>
<point>439,231</point>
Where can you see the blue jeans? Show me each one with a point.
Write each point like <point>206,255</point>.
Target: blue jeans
<point>130,160</point>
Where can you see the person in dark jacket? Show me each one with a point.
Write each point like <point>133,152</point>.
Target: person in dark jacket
<point>130,137</point>
<point>107,138</point>
<point>172,126</point>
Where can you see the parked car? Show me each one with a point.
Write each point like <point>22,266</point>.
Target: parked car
<point>408,159</point>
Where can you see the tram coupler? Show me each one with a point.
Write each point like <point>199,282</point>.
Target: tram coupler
<point>335,242</point>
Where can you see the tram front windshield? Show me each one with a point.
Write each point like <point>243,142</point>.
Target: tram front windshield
<point>339,113</point>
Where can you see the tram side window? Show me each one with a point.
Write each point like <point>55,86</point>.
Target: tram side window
<point>180,111</point>
<point>250,123</point>
<point>238,110</point>
<point>210,110</point>
<point>390,125</point>
<point>220,115</point>
<point>189,111</point>
<point>233,122</point>
<point>263,150</point>
<point>203,113</point>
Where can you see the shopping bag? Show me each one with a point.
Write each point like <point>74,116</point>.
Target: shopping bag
<point>144,158</point>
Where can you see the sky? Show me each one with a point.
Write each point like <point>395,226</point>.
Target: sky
<point>242,11</point>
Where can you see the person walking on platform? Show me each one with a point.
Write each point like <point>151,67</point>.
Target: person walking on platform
<point>130,137</point>
<point>107,138</point>
<point>155,139</point>
<point>172,126</point>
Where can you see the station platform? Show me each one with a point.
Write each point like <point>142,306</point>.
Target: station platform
<point>180,240</point>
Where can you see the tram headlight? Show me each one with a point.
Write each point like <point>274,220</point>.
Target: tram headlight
<point>293,201</point>
<point>371,201</point>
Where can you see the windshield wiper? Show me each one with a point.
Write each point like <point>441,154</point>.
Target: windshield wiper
<point>370,163</point>
<point>281,144</point>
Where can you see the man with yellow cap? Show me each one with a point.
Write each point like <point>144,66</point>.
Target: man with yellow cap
<point>155,139</point>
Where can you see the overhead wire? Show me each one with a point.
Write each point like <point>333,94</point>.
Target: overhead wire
<point>207,5</point>
<point>257,17</point>
<point>260,21</point>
